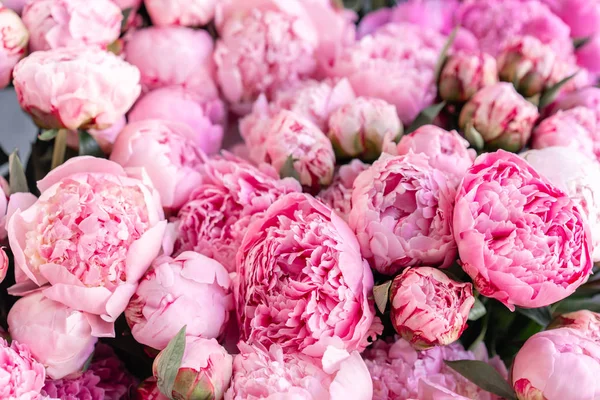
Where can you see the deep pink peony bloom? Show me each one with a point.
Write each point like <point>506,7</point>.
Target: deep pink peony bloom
<point>585,322</point>
<point>232,195</point>
<point>68,23</point>
<point>191,289</point>
<point>13,43</point>
<point>173,56</point>
<point>558,364</point>
<point>520,238</point>
<point>204,113</point>
<point>465,73</point>
<point>105,86</point>
<point>298,242</point>
<point>259,373</point>
<point>446,150</point>
<point>338,196</point>
<point>21,376</point>
<point>588,56</point>
<point>104,232</point>
<point>205,368</point>
<point>402,214</point>
<point>582,16</point>
<point>428,308</point>
<point>400,372</point>
<point>181,12</point>
<point>169,152</point>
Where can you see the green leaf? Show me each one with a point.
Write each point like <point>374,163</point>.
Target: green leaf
<point>288,170</point>
<point>579,303</point>
<point>477,311</point>
<point>18,181</point>
<point>541,315</point>
<point>88,145</point>
<point>355,5</point>
<point>474,137</point>
<point>88,362</point>
<point>426,116</point>
<point>444,54</point>
<point>485,376</point>
<point>549,95</point>
<point>381,294</point>
<point>580,42</point>
<point>126,13</point>
<point>48,135</point>
<point>169,363</point>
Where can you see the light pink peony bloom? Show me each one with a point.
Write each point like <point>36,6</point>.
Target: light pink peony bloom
<point>148,390</point>
<point>402,214</point>
<point>191,289</point>
<point>175,56</point>
<point>259,373</point>
<point>502,117</point>
<point>99,90</point>
<point>181,12</point>
<point>206,368</point>
<point>205,114</point>
<point>502,200</point>
<point>338,196</point>
<point>558,364</point>
<point>276,296</point>
<point>578,177</point>
<point>585,322</point>
<point>582,16</point>
<point>233,193</point>
<point>400,372</point>
<point>13,43</point>
<point>360,128</point>
<point>169,152</point>
<point>21,376</point>
<point>68,23</point>
<point>105,137</point>
<point>465,73</point>
<point>104,232</point>
<point>405,54</point>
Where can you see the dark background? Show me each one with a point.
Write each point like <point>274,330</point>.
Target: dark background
<point>16,130</point>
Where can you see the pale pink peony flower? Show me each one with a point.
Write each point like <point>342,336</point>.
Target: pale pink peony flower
<point>104,232</point>
<point>206,368</point>
<point>338,196</point>
<point>402,214</point>
<point>99,90</point>
<point>298,242</point>
<point>173,56</point>
<point>446,150</point>
<point>501,116</point>
<point>400,372</point>
<point>520,238</point>
<point>13,43</point>
<point>169,152</point>
<point>181,12</point>
<point>67,23</point>
<point>428,308</point>
<point>558,364</point>
<point>148,390</point>
<point>259,373</point>
<point>465,73</point>
<point>360,128</point>
<point>233,193</point>
<point>582,16</point>
<point>21,376</point>
<point>205,113</point>
<point>58,336</point>
<point>585,322</point>
<point>191,289</point>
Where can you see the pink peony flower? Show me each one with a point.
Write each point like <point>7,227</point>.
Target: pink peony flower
<point>148,390</point>
<point>181,12</point>
<point>13,43</point>
<point>588,55</point>
<point>501,116</point>
<point>58,336</point>
<point>360,128</point>
<point>191,289</point>
<point>578,177</point>
<point>259,373</point>
<point>582,16</point>
<point>233,193</point>
<point>169,152</point>
<point>400,372</point>
<point>338,196</point>
<point>405,54</point>
<point>557,364</point>
<point>503,200</point>
<point>401,214</point>
<point>173,56</point>
<point>21,376</point>
<point>206,368</point>
<point>205,114</point>
<point>588,97</point>
<point>106,87</point>
<point>465,73</point>
<point>104,232</point>
<point>68,23</point>
<point>298,243</point>
<point>585,322</point>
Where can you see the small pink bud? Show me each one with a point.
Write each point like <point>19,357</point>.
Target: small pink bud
<point>466,73</point>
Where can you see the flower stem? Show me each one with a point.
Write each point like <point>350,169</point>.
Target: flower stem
<point>60,148</point>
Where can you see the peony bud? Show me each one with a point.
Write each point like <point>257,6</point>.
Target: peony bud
<point>148,390</point>
<point>498,117</point>
<point>428,308</point>
<point>464,74</point>
<point>13,43</point>
<point>587,323</point>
